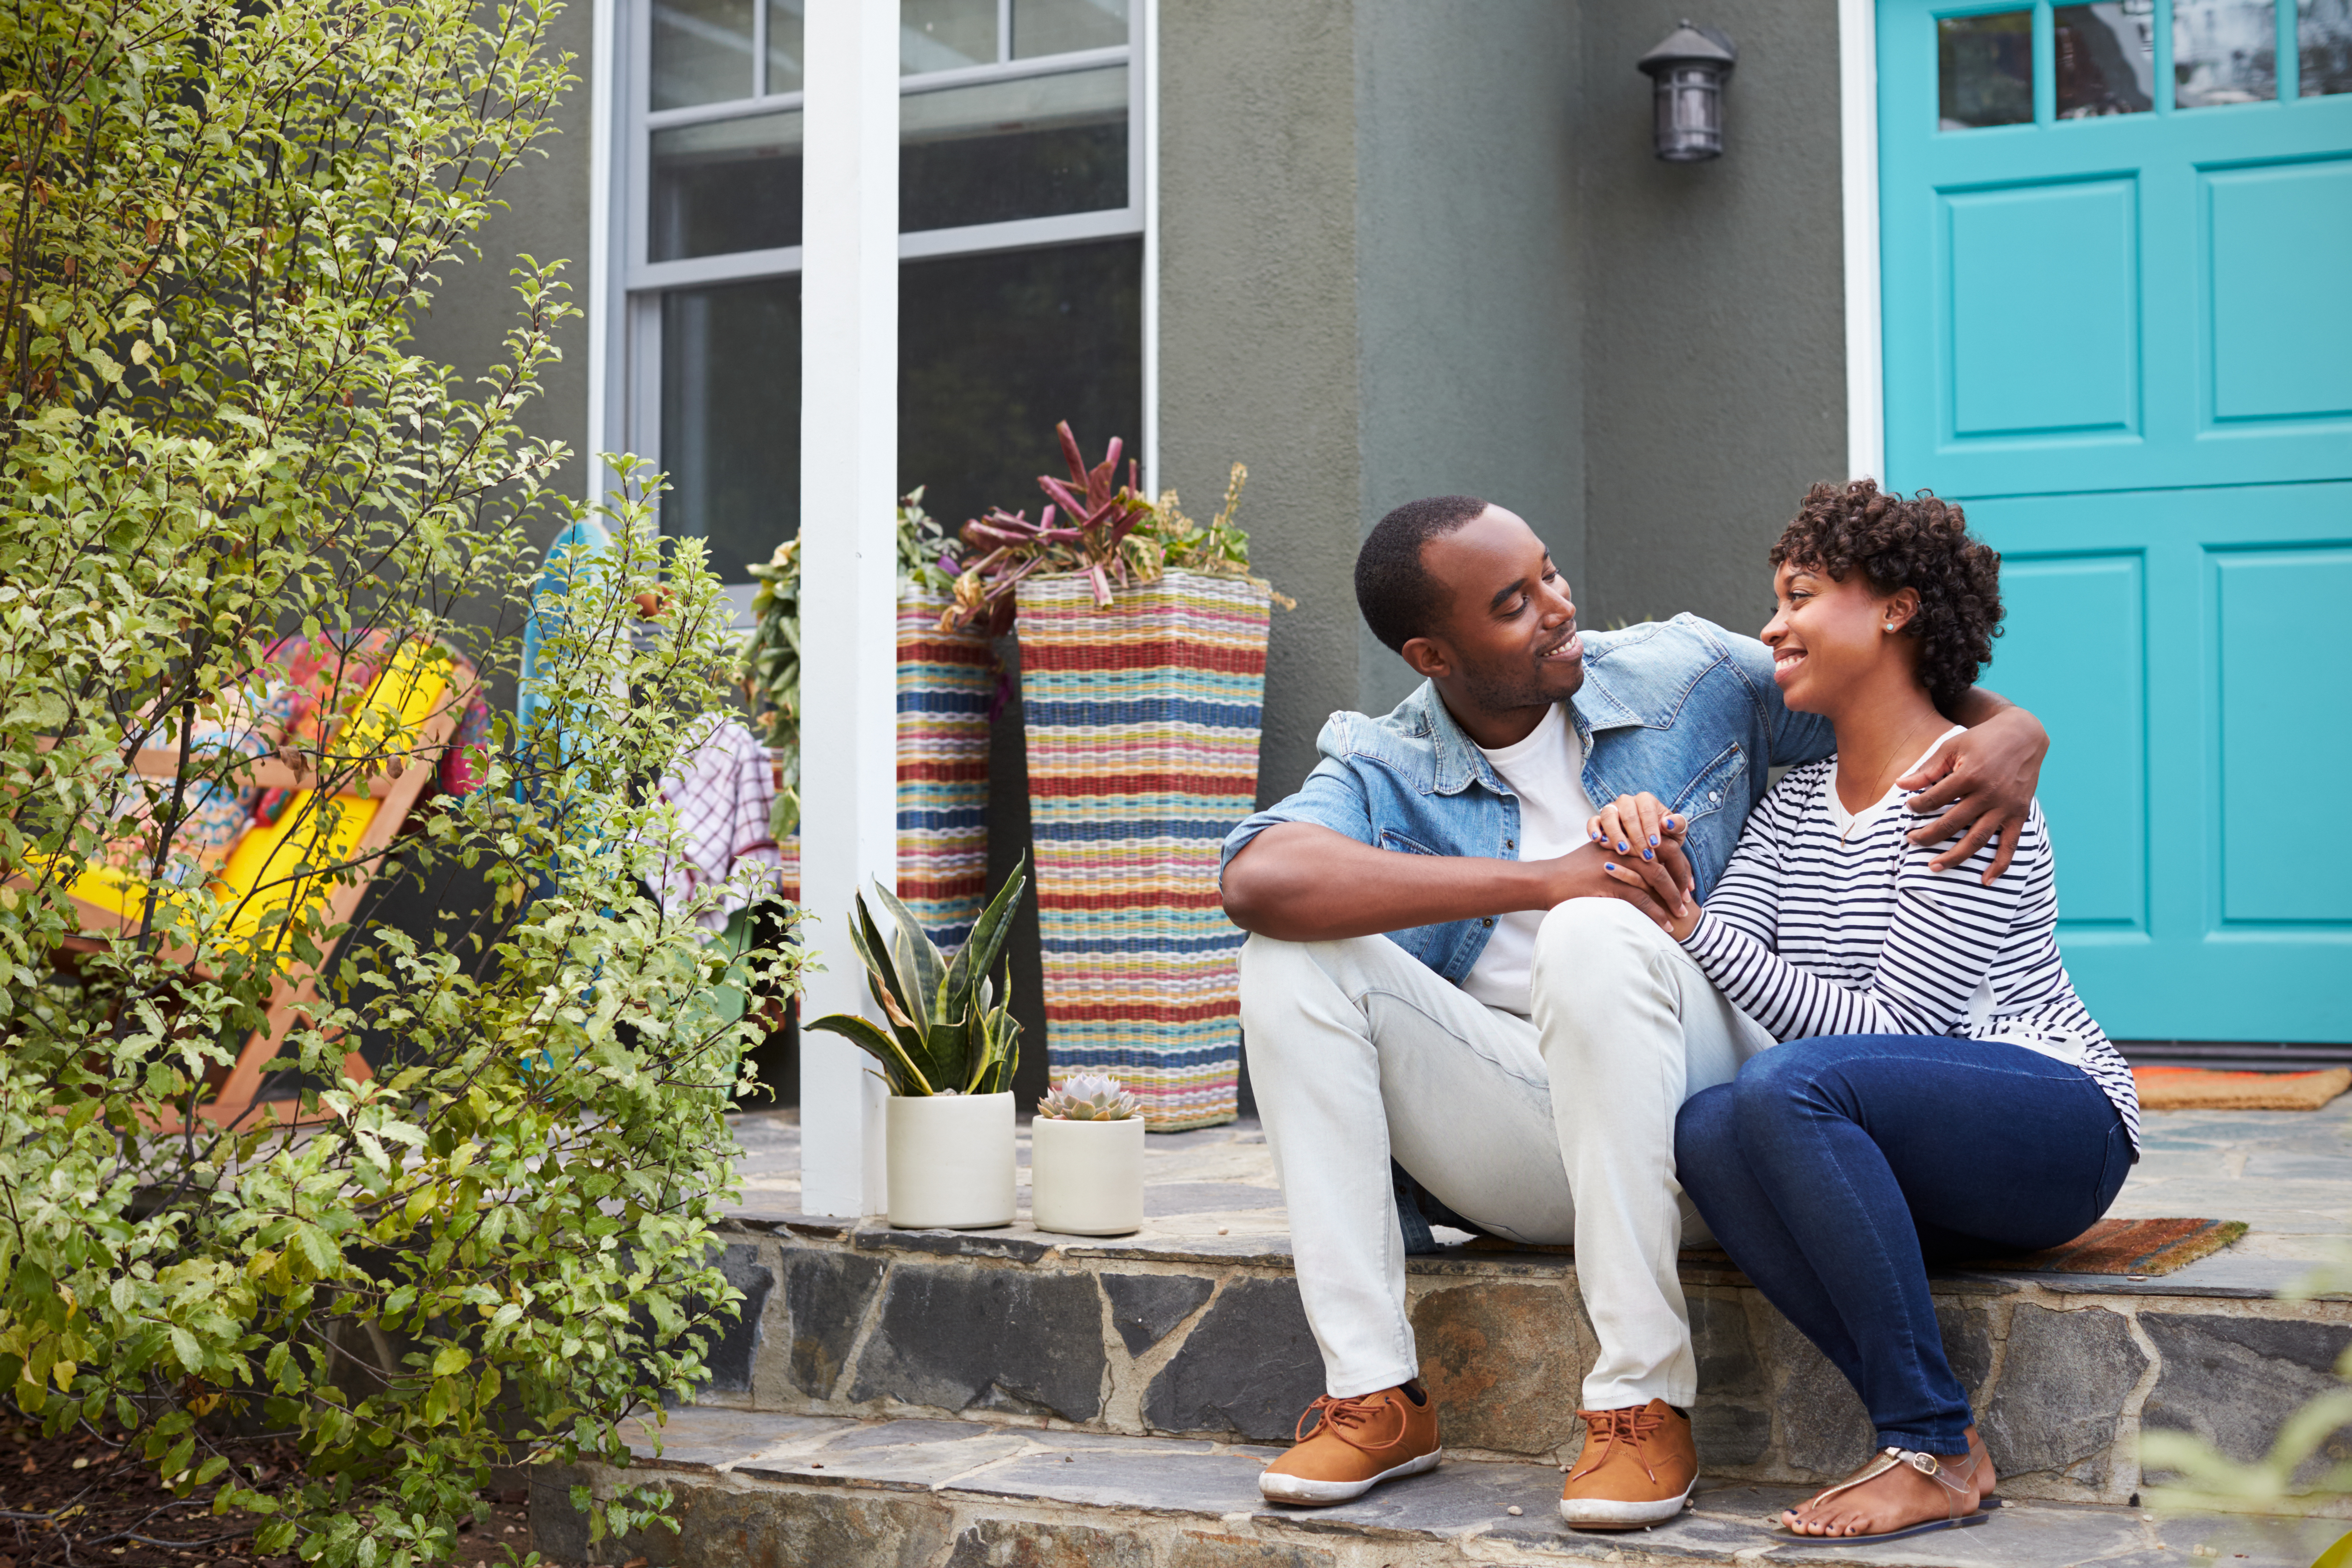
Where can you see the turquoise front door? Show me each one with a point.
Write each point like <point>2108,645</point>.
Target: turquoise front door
<point>2116,252</point>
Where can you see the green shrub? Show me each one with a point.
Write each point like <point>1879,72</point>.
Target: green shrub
<point>218,221</point>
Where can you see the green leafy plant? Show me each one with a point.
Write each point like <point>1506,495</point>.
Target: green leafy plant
<point>772,657</point>
<point>217,223</point>
<point>948,1030</point>
<point>1089,1097</point>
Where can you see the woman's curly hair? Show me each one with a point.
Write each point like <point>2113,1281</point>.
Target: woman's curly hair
<point>1902,542</point>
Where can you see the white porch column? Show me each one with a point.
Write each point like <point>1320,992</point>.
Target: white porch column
<point>849,458</point>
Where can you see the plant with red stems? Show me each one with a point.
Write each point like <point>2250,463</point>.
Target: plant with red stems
<point>1086,526</point>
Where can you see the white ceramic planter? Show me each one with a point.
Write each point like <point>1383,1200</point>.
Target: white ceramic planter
<point>950,1160</point>
<point>1085,1178</point>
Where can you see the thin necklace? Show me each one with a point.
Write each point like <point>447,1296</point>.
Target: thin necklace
<point>1887,783</point>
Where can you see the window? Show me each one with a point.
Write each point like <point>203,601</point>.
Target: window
<point>1020,241</point>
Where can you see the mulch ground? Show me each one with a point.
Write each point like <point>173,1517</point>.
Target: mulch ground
<point>79,1501</point>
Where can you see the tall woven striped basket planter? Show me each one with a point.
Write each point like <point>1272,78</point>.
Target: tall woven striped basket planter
<point>945,681</point>
<point>1142,723</point>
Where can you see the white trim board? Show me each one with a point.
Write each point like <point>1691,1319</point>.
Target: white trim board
<point>603,46</point>
<point>1865,362</point>
<point>1147,193</point>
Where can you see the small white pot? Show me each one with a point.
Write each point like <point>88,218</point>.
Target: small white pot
<point>950,1160</point>
<point>1085,1178</point>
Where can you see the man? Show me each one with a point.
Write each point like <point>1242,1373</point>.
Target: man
<point>1441,973</point>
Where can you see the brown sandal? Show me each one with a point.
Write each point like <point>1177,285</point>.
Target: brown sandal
<point>1941,1471</point>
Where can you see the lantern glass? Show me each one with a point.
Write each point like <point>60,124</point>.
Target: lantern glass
<point>1690,111</point>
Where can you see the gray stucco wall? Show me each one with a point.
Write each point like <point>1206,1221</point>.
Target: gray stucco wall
<point>1715,348</point>
<point>1368,293</point>
<point>1258,352</point>
<point>546,217</point>
<point>1467,240</point>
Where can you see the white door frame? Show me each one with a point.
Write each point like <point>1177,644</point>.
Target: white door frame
<point>1865,364</point>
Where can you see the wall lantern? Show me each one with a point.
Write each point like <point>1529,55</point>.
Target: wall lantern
<point>1689,68</point>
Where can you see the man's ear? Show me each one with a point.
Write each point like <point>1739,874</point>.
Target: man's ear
<point>1428,658</point>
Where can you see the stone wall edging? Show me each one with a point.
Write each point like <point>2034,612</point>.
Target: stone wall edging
<point>2061,1378</point>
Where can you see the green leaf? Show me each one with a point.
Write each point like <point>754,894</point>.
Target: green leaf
<point>451,1358</point>
<point>875,953</point>
<point>918,961</point>
<point>899,1070</point>
<point>989,933</point>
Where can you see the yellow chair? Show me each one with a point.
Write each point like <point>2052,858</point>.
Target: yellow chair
<point>321,851</point>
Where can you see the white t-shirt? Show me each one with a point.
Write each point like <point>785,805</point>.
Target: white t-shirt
<point>1546,771</point>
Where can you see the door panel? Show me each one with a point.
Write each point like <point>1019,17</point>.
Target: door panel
<point>2184,648</point>
<point>2043,323</point>
<point>2075,652</point>
<point>2279,619</point>
<point>2279,292</point>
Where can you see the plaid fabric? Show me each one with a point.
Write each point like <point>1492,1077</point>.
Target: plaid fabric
<point>945,680</point>
<point>723,792</point>
<point>1143,734</point>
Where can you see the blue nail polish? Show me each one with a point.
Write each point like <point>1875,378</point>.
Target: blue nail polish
<point>1608,864</point>
<point>1653,840</point>
<point>1623,847</point>
<point>1648,855</point>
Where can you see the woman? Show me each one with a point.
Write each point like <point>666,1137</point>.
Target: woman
<point>1941,1091</point>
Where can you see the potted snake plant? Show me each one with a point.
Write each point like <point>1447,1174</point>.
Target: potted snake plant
<point>947,1052</point>
<point>1085,1158</point>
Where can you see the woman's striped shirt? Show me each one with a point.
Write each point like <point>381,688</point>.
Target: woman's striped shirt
<point>1830,924</point>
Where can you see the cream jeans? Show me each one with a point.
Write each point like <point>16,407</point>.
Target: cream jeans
<point>1555,1129</point>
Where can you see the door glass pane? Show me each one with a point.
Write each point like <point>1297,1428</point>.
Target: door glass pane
<point>730,418</point>
<point>1061,26</point>
<point>1984,69</point>
<point>702,51</point>
<point>2106,58</point>
<point>1034,147</point>
<point>733,185</point>
<point>2223,51</point>
<point>993,348</point>
<point>945,34</point>
<point>2322,35</point>
<point>786,26</point>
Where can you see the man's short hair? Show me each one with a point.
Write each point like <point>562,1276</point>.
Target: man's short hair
<point>1398,596</point>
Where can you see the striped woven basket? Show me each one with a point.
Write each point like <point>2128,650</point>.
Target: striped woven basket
<point>945,681</point>
<point>1143,734</point>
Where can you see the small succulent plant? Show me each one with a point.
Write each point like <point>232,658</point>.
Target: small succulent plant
<point>1089,1097</point>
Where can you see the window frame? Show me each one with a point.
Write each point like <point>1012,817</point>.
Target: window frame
<point>632,420</point>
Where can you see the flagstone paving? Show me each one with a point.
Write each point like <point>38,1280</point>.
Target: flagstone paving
<point>2287,1173</point>
<point>757,1488</point>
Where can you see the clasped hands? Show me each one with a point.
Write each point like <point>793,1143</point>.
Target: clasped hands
<point>1981,784</point>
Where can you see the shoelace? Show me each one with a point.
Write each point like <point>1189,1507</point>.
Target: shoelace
<point>1604,1429</point>
<point>1339,1416</point>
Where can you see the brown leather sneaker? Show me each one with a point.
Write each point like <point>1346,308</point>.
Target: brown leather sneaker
<point>1357,1444</point>
<point>1637,1468</point>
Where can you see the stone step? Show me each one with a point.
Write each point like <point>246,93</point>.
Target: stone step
<point>1192,1327</point>
<point>760,1489</point>
<point>1205,1338</point>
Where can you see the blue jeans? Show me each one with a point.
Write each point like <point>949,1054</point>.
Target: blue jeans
<point>1833,1170</point>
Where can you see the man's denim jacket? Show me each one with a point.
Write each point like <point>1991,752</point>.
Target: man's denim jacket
<point>1682,709</point>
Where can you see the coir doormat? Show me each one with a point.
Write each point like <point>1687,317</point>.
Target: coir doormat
<point>2202,1089</point>
<point>2147,1247</point>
